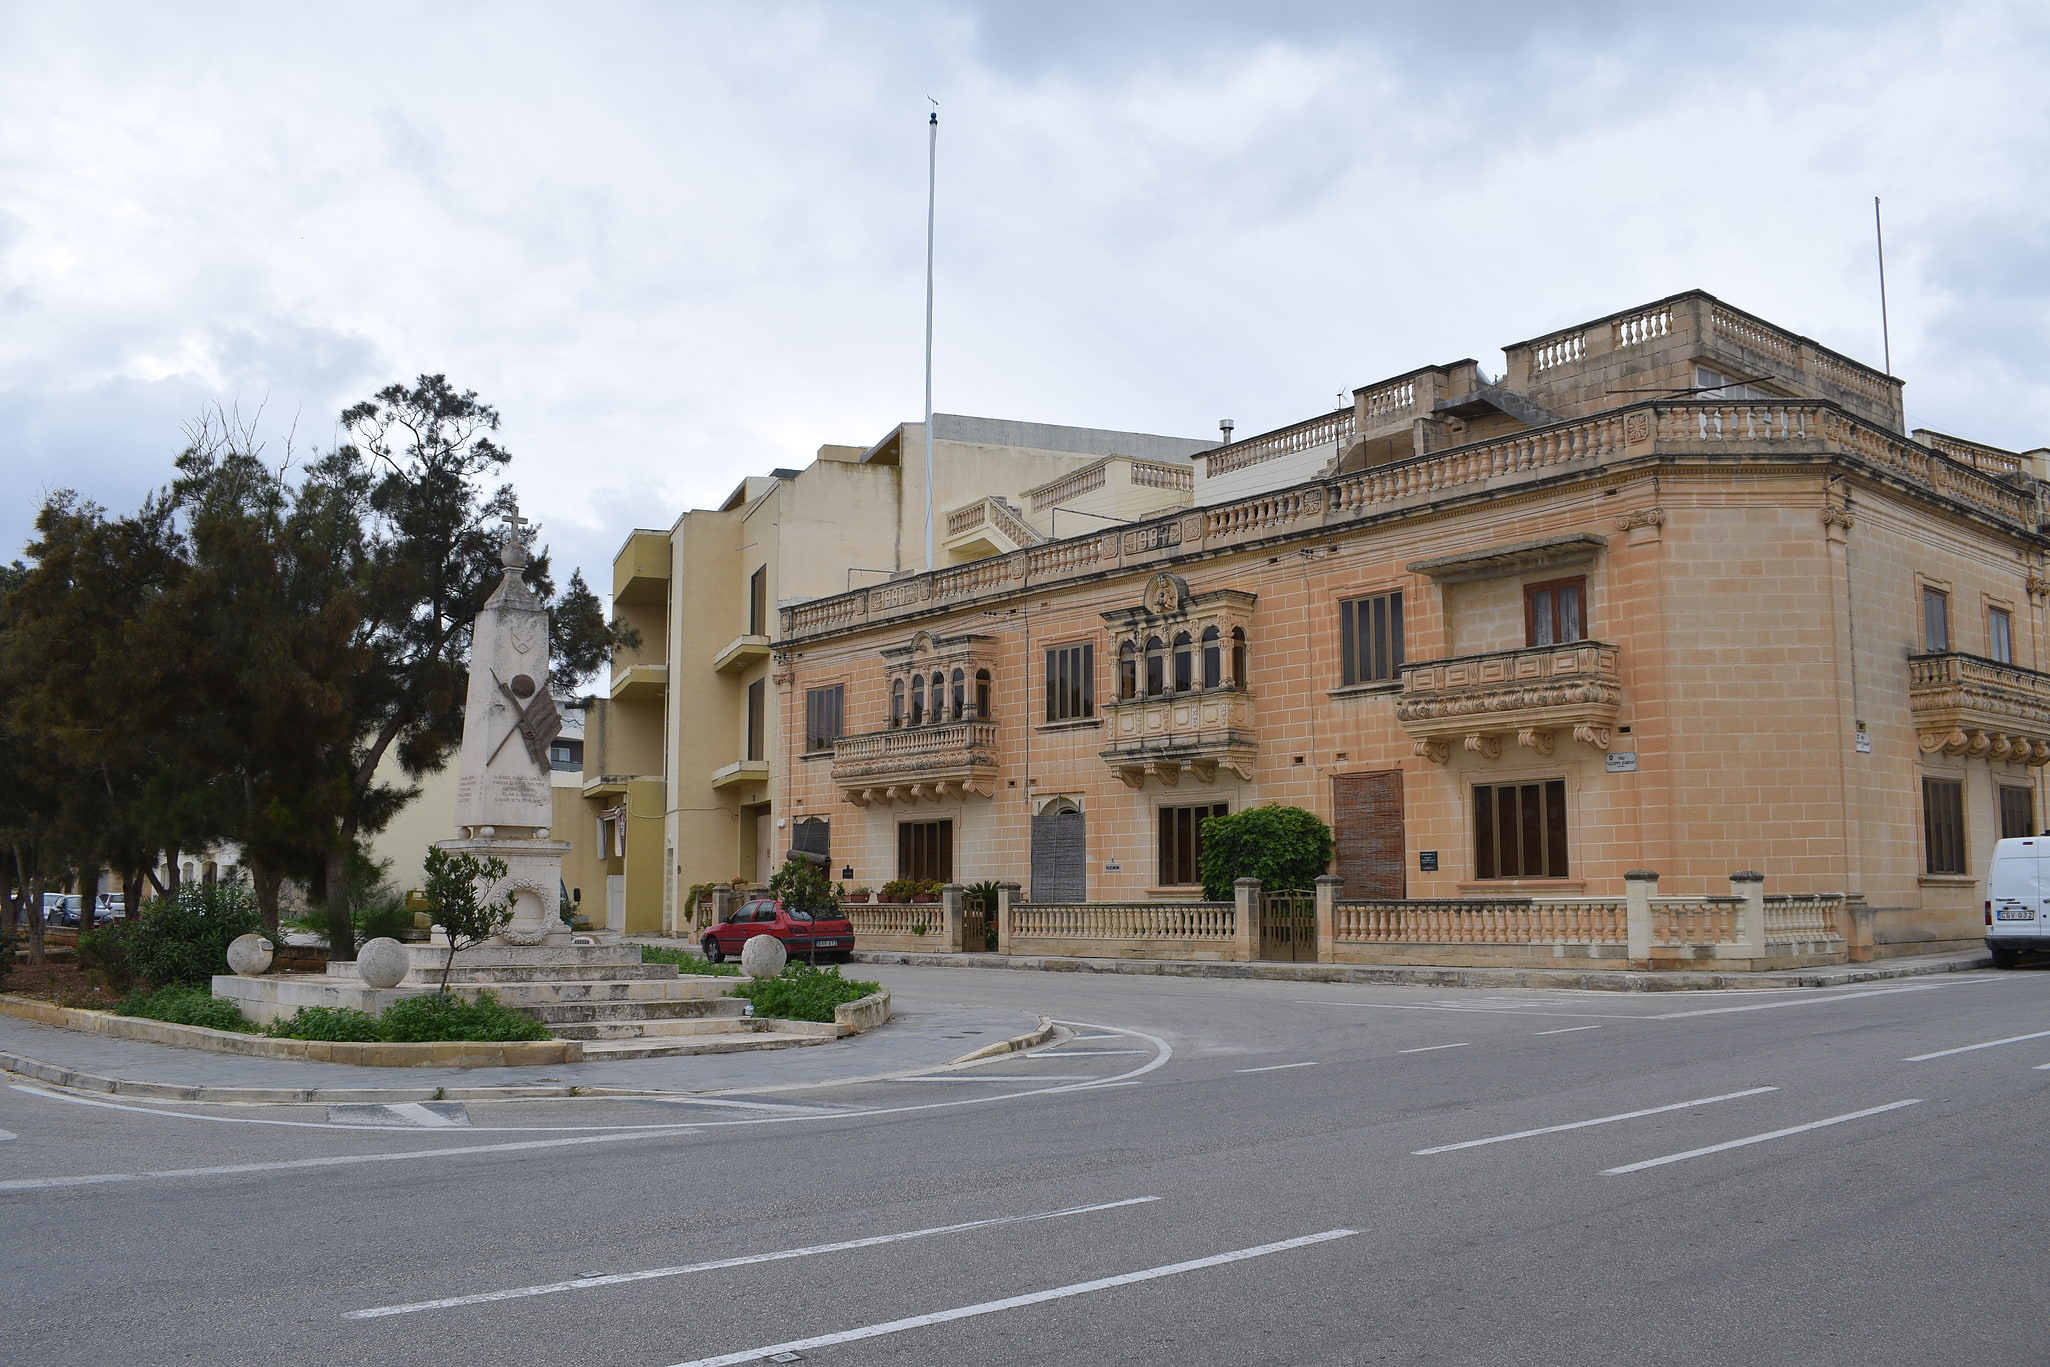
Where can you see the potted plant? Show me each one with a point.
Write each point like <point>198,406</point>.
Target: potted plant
<point>857,894</point>
<point>925,890</point>
<point>899,890</point>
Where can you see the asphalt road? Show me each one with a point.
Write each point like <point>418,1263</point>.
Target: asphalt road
<point>1197,1172</point>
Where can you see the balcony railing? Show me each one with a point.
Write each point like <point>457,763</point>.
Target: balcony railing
<point>1967,705</point>
<point>915,763</point>
<point>1476,701</point>
<point>1166,736</point>
<point>1706,430</point>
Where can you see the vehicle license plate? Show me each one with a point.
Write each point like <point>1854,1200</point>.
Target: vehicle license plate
<point>829,944</point>
<point>2014,914</point>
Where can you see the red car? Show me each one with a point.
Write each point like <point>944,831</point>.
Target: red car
<point>831,938</point>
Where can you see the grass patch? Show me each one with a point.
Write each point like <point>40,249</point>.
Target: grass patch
<point>687,962</point>
<point>183,1004</point>
<point>805,993</point>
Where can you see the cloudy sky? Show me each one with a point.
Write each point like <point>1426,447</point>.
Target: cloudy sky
<point>679,243</point>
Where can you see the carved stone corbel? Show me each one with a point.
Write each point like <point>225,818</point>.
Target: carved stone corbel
<point>1977,744</point>
<point>2039,754</point>
<point>1535,741</point>
<point>1436,751</point>
<point>1594,737</point>
<point>1487,747</point>
<point>1134,775</point>
<point>1168,771</point>
<point>1242,768</point>
<point>1205,770</point>
<point>2003,746</point>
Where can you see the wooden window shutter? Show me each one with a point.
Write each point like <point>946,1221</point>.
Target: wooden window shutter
<point>1368,834</point>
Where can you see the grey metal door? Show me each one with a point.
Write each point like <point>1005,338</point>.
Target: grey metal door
<point>1060,856</point>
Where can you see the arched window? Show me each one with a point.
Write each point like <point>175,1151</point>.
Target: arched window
<point>1213,658</point>
<point>1238,657</point>
<point>1156,677</point>
<point>982,692</point>
<point>1128,671</point>
<point>960,694</point>
<point>918,700</point>
<point>1184,663</point>
<point>897,702</point>
<point>939,697</point>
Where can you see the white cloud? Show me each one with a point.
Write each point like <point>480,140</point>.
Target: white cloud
<point>677,245</point>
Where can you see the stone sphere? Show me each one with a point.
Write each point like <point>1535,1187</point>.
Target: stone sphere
<point>763,957</point>
<point>382,962</point>
<point>250,955</point>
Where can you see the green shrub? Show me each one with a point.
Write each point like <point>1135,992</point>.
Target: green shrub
<point>444,1016</point>
<point>184,1004</point>
<point>804,993</point>
<point>1283,847</point>
<point>184,939</point>
<point>803,886</point>
<point>104,953</point>
<point>904,889</point>
<point>337,1023</point>
<point>687,962</point>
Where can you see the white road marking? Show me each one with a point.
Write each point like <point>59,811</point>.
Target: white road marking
<point>1805,1001</point>
<point>94,1179</point>
<point>615,1279</point>
<point>1482,1010</point>
<point>1274,1067</point>
<point>1564,1030</point>
<point>1429,1047</point>
<point>1014,1302</point>
<point>997,1079</point>
<point>1967,1048</point>
<point>1058,1052</point>
<point>425,1115</point>
<point>1599,1120</point>
<point>1761,1138</point>
<point>1083,1037</point>
<point>6,1135</point>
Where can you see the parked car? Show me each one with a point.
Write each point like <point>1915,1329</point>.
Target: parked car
<point>60,909</point>
<point>831,937</point>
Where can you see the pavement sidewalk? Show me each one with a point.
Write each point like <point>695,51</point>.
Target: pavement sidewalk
<point>916,1038</point>
<point>1609,980</point>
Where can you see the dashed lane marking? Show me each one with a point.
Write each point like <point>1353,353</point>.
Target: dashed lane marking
<point>1429,1047</point>
<point>649,1274</point>
<point>1968,1048</point>
<point>1598,1120</point>
<point>1013,1302</point>
<point>1762,1138</point>
<point>1274,1067</point>
<point>1565,1030</point>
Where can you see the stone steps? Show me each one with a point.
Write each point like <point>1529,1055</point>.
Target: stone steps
<point>524,994</point>
<point>583,1013</point>
<point>659,1029</point>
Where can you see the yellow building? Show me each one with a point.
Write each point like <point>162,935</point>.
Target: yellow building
<point>1676,593</point>
<point>688,755</point>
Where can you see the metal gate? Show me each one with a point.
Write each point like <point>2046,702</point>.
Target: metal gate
<point>1288,926</point>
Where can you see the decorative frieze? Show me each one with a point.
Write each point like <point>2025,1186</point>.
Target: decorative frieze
<point>918,763</point>
<point>1475,701</point>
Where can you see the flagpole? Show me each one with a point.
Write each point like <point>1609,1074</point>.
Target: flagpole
<point>1879,240</point>
<point>932,167</point>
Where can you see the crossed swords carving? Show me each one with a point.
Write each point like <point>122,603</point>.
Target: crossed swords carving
<point>537,722</point>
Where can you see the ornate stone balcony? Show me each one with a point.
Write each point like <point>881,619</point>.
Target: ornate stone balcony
<point>914,763</point>
<point>1166,736</point>
<point>1965,705</point>
<point>1475,701</point>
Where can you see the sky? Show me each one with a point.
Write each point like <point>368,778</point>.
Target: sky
<point>676,244</point>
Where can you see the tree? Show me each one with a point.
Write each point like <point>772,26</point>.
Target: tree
<point>1283,847</point>
<point>464,916</point>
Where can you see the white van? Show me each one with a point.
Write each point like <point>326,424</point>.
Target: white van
<point>2018,899</point>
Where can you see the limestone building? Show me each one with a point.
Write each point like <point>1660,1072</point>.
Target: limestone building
<point>687,758</point>
<point>1675,592</point>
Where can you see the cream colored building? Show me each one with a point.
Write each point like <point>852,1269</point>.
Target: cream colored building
<point>1678,592</point>
<point>688,756</point>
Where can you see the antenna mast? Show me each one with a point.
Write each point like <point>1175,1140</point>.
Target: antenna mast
<point>932,170</point>
<point>1879,240</point>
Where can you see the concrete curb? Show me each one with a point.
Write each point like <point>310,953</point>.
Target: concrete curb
<point>1031,1039</point>
<point>1610,980</point>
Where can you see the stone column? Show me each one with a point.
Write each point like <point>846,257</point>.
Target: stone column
<point>1328,885</point>
<point>950,917</point>
<point>1246,928</point>
<point>1007,893</point>
<point>1639,887</point>
<point>1750,886</point>
<point>1854,923</point>
<point>722,903</point>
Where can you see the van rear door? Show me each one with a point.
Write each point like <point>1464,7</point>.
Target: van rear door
<point>2018,888</point>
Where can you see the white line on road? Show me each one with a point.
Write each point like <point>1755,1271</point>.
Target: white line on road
<point>1013,1302</point>
<point>94,1179</point>
<point>1566,1030</point>
<point>1429,1047</point>
<point>1274,1067</point>
<point>6,1135</point>
<point>1805,1001</point>
<point>1761,1138</point>
<point>1967,1048</point>
<point>1058,1052</point>
<point>995,1079</point>
<point>1599,1120</point>
<point>615,1279</point>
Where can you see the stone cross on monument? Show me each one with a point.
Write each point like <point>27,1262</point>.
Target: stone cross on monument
<point>504,797</point>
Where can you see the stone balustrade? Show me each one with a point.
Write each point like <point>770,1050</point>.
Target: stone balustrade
<point>915,763</point>
<point>1526,696</point>
<point>1967,705</point>
<point>1165,736</point>
<point>1500,921</point>
<point>1705,429</point>
<point>1324,430</point>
